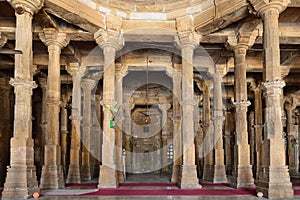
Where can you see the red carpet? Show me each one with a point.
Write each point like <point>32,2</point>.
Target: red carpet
<point>93,185</point>
<point>173,192</point>
<point>148,184</point>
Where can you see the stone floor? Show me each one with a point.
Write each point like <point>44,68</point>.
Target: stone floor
<point>139,178</point>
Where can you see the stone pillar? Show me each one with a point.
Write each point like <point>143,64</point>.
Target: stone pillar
<point>52,171</point>
<point>64,131</point>
<point>177,146</point>
<point>164,107</point>
<point>87,86</point>
<point>208,167</point>
<point>127,130</point>
<point>110,41</point>
<point>274,179</point>
<point>77,73</point>
<point>242,170</point>
<point>119,131</point>
<point>251,137</point>
<point>292,136</point>
<point>43,85</point>
<point>187,42</point>
<point>218,119</point>
<point>258,121</point>
<point>21,181</point>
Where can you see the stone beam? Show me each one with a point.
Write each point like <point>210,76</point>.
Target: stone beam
<point>76,13</point>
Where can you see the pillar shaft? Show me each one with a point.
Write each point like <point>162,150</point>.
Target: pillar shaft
<point>21,181</point>
<point>242,172</point>
<point>74,168</point>
<point>64,131</point>
<point>274,179</point>
<point>188,173</point>
<point>52,171</point>
<point>177,146</point>
<point>218,119</point>
<point>87,86</point>
<point>110,41</point>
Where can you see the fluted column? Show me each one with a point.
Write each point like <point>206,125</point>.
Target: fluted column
<point>77,72</point>
<point>110,41</point>
<point>21,181</point>
<point>87,86</point>
<point>274,179</point>
<point>52,171</point>
<point>64,130</point>
<point>188,173</point>
<point>242,170</point>
<point>119,130</point>
<point>258,126</point>
<point>218,119</point>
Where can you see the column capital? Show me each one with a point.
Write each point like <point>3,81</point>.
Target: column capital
<point>88,84</point>
<point>110,38</point>
<point>50,36</point>
<point>242,104</point>
<point>187,39</point>
<point>260,7</point>
<point>241,42</point>
<point>3,39</point>
<point>74,69</point>
<point>273,88</point>
<point>30,6</point>
<point>164,106</point>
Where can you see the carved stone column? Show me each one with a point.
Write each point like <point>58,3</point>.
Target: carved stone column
<point>177,146</point>
<point>208,167</point>
<point>87,86</point>
<point>77,73</point>
<point>52,172</point>
<point>110,41</point>
<point>242,171</point>
<point>251,137</point>
<point>258,121</point>
<point>127,131</point>
<point>64,131</point>
<point>119,130</point>
<point>218,119</point>
<point>21,181</point>
<point>187,42</point>
<point>274,179</point>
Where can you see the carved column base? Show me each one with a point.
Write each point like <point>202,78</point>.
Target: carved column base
<point>20,183</point>
<point>188,177</point>
<point>52,177</point>
<point>108,177</point>
<point>220,174</point>
<point>175,174</point>
<point>74,174</point>
<point>242,177</point>
<point>121,176</point>
<point>86,173</point>
<point>275,182</point>
<point>208,173</point>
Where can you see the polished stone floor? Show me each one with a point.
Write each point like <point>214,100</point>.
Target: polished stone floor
<point>139,178</point>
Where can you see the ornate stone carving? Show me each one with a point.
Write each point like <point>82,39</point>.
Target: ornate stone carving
<point>30,6</point>
<point>111,38</point>
<point>187,39</point>
<point>261,6</point>
<point>51,36</point>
